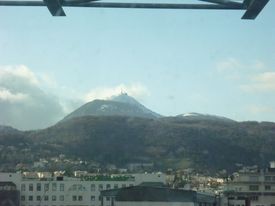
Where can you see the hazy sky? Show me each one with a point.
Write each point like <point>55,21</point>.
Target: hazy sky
<point>172,61</point>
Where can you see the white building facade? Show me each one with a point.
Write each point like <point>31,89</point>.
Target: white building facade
<point>251,189</point>
<point>66,191</point>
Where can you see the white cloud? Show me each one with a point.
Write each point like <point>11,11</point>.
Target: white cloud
<point>135,90</point>
<point>6,95</point>
<point>251,77</point>
<point>20,71</point>
<point>23,104</point>
<point>230,64</point>
<point>259,109</point>
<point>48,80</point>
<point>262,82</point>
<point>259,65</point>
<point>233,68</point>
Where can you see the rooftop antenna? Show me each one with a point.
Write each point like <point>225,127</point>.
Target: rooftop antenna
<point>122,92</point>
<point>252,7</point>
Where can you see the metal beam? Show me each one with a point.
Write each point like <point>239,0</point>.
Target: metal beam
<point>254,7</point>
<point>224,2</point>
<point>125,5</point>
<point>156,6</point>
<point>55,7</point>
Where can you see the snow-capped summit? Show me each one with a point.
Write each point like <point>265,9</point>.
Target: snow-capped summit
<point>191,114</point>
<point>121,105</point>
<point>124,98</point>
<point>198,116</point>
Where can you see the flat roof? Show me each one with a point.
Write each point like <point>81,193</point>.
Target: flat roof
<point>157,194</point>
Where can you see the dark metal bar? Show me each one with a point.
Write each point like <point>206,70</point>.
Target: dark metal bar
<point>79,1</point>
<point>155,5</point>
<point>224,2</point>
<point>55,7</point>
<point>22,3</point>
<point>128,5</point>
<point>254,8</point>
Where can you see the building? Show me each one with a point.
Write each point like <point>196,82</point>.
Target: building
<point>155,196</point>
<point>36,190</point>
<point>251,188</point>
<point>9,195</point>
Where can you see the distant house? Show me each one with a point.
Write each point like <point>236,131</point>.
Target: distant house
<point>155,196</point>
<point>252,188</point>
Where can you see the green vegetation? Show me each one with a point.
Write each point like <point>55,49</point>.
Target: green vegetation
<point>206,145</point>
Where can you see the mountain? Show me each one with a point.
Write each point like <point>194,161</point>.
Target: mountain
<point>167,142</point>
<point>121,131</point>
<point>121,105</point>
<point>203,117</point>
<point>8,130</point>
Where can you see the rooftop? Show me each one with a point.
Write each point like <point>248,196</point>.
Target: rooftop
<point>157,194</point>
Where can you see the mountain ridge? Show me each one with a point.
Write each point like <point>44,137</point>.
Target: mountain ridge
<point>167,142</point>
<point>205,142</point>
<point>121,105</point>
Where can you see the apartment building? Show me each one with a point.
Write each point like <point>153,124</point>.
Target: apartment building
<point>68,191</point>
<point>252,188</point>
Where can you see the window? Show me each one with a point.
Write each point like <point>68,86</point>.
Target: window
<point>46,187</point>
<point>23,198</point>
<point>253,178</point>
<point>38,187</point>
<point>107,198</point>
<point>100,187</point>
<point>80,187</point>
<point>30,198</point>
<point>23,187</point>
<point>54,187</point>
<point>92,187</point>
<point>30,187</point>
<point>267,187</point>
<point>61,187</point>
<point>61,198</point>
<point>254,198</point>
<point>267,178</point>
<point>253,187</point>
<point>74,187</point>
<point>53,198</point>
<point>182,66</point>
<point>241,198</point>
